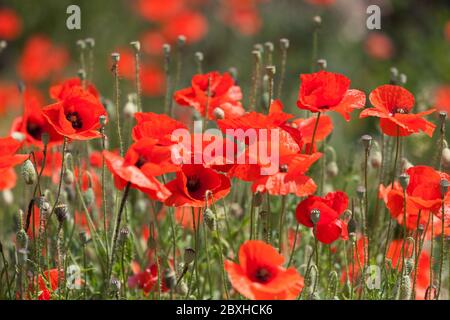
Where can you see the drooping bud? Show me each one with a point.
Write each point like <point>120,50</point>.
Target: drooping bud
<point>332,169</point>
<point>29,172</point>
<point>209,219</point>
<point>68,177</point>
<point>322,64</point>
<point>284,43</point>
<point>90,42</point>
<point>89,196</point>
<point>376,159</point>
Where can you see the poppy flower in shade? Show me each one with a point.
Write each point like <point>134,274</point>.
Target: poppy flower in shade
<point>159,10</point>
<point>393,104</point>
<point>442,98</point>
<point>136,168</point>
<point>41,59</point>
<point>379,46</point>
<point>62,90</point>
<point>33,124</point>
<point>326,91</point>
<point>329,228</point>
<point>77,116</point>
<point>422,193</point>
<point>223,94</point>
<point>189,23</point>
<point>394,253</point>
<point>8,160</point>
<point>11,25</point>
<point>260,274</point>
<point>191,184</point>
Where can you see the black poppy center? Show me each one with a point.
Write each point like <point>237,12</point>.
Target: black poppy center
<point>75,120</point>
<point>141,161</point>
<point>401,110</point>
<point>284,168</point>
<point>262,275</point>
<point>34,130</point>
<point>193,184</point>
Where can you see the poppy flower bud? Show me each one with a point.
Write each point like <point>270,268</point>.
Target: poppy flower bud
<point>394,75</point>
<point>284,43</point>
<point>404,180</point>
<point>189,255</point>
<point>332,169</point>
<point>61,211</point>
<point>315,216</point>
<point>199,56</point>
<point>115,57</point>
<point>68,177</point>
<point>8,197</point>
<point>322,64</point>
<point>29,172</point>
<point>445,157</point>
<point>81,74</point>
<point>376,159</point>
<point>402,79</point>
<point>317,21</point>
<point>84,238</point>
<point>102,120</point>
<point>360,192</point>
<point>170,279</point>
<point>257,199</point>
<point>90,42</point>
<point>43,205</point>
<point>218,113</point>
<point>367,141</point>
<point>269,46</point>
<point>444,187</point>
<point>209,219</point>
<point>3,45</point>
<point>22,256</point>
<point>130,107</point>
<point>18,136</point>
<point>405,290</point>
<point>136,45</point>
<point>351,226</point>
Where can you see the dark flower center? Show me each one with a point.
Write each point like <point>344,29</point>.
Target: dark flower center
<point>284,168</point>
<point>141,161</point>
<point>400,110</point>
<point>34,130</point>
<point>193,184</point>
<point>262,275</point>
<point>75,119</point>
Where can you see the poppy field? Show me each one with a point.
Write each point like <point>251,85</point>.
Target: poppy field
<point>224,150</point>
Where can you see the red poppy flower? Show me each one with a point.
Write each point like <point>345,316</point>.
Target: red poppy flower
<point>77,115</point>
<point>159,10</point>
<point>152,80</point>
<point>306,128</point>
<point>277,184</point>
<point>260,274</point>
<point>147,279</point>
<point>189,23</point>
<point>9,96</point>
<point>152,42</point>
<point>47,284</point>
<point>33,124</point>
<point>62,90</point>
<point>136,168</point>
<point>241,15</point>
<point>155,126</point>
<point>329,228</point>
<point>192,182</point>
<point>223,94</point>
<point>40,59</point>
<point>326,91</point>
<point>9,159</point>
<point>393,104</point>
<point>379,46</point>
<point>442,98</point>
<point>183,216</point>
<point>11,25</point>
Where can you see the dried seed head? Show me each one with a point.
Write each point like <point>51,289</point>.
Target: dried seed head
<point>81,44</point>
<point>444,187</point>
<point>199,57</point>
<point>352,225</point>
<point>90,42</point>
<point>170,279</point>
<point>367,141</point>
<point>376,159</point>
<point>218,113</point>
<point>68,177</point>
<point>81,74</point>
<point>332,169</point>
<point>269,46</point>
<point>317,21</point>
<point>209,219</point>
<point>404,180</point>
<point>29,172</point>
<point>61,211</point>
<point>315,216</point>
<point>102,119</point>
<point>189,255</point>
<point>284,43</point>
<point>115,57</point>
<point>136,45</point>
<point>322,64</point>
<point>181,40</point>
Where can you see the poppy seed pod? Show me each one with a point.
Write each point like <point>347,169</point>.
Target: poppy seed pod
<point>81,43</point>
<point>376,159</point>
<point>270,71</point>
<point>28,172</point>
<point>61,211</point>
<point>68,177</point>
<point>352,225</point>
<point>81,74</point>
<point>404,180</point>
<point>102,120</point>
<point>115,57</point>
<point>332,169</point>
<point>189,255</point>
<point>170,279</point>
<point>445,157</point>
<point>136,46</point>
<point>269,46</point>
<point>360,192</point>
<point>209,219</point>
<point>181,40</point>
<point>90,42</point>
<point>199,56</point>
<point>284,43</point>
<point>315,216</point>
<point>322,64</point>
<point>444,187</point>
<point>367,141</point>
<point>89,196</point>
<point>405,164</point>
